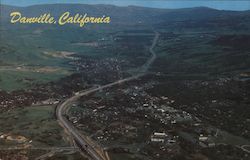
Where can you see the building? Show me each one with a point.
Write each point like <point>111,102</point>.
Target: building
<point>158,137</point>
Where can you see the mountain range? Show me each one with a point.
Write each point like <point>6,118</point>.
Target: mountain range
<point>134,14</point>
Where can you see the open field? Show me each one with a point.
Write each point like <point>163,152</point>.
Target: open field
<point>37,124</point>
<point>43,55</point>
<point>11,80</point>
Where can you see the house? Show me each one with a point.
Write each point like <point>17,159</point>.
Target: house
<point>158,137</point>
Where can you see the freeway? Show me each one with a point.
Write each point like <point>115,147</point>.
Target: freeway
<point>84,142</point>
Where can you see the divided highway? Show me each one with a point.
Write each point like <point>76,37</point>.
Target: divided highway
<point>84,142</point>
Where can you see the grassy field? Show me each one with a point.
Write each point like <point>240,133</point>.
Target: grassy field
<point>15,80</point>
<point>35,123</point>
<point>28,47</point>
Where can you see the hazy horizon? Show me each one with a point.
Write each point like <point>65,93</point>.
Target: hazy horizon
<point>236,5</point>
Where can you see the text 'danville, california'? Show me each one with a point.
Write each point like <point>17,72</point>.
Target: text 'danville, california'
<point>63,19</point>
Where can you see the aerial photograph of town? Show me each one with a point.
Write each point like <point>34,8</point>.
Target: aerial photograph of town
<point>124,80</point>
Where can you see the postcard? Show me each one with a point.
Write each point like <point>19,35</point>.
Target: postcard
<point>125,80</point>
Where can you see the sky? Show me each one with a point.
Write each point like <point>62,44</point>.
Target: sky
<point>171,4</point>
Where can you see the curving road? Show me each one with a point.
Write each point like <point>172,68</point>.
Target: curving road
<point>245,148</point>
<point>84,142</point>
